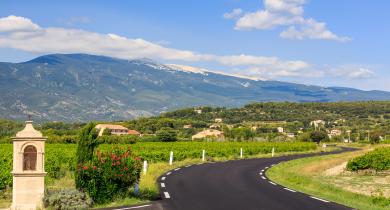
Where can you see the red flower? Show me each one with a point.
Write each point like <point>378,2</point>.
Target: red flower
<point>94,167</point>
<point>125,169</point>
<point>85,168</point>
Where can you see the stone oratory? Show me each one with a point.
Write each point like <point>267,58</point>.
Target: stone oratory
<point>28,169</point>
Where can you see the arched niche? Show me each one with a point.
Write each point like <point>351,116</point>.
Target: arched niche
<point>30,158</point>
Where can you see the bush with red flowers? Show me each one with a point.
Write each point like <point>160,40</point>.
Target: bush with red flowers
<point>109,174</point>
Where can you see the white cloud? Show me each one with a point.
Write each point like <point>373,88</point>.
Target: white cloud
<point>352,72</point>
<point>289,13</point>
<point>23,34</point>
<point>12,24</point>
<point>313,30</point>
<point>233,14</point>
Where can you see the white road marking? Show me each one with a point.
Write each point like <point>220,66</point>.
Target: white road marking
<point>263,177</point>
<point>167,195</point>
<point>266,167</point>
<point>272,164</point>
<point>262,170</point>
<point>134,207</point>
<point>188,166</point>
<point>163,178</point>
<point>169,173</point>
<point>319,199</point>
<point>290,189</point>
<point>177,169</point>
<point>271,183</point>
<point>162,184</point>
<point>261,173</point>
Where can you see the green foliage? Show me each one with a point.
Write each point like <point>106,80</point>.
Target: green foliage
<point>166,134</point>
<point>106,132</point>
<point>63,156</point>
<point>5,166</point>
<point>379,160</point>
<point>319,136</point>
<point>117,139</point>
<point>159,151</point>
<point>304,137</point>
<point>85,148</point>
<point>87,143</point>
<point>148,138</point>
<point>375,136</point>
<point>67,199</point>
<point>109,174</point>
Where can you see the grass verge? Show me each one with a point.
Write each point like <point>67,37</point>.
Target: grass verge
<point>148,186</point>
<point>308,175</point>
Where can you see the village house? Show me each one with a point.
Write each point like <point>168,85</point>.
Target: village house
<point>209,133</point>
<point>199,111</point>
<point>218,120</point>
<point>114,129</point>
<point>187,126</point>
<point>133,132</point>
<point>335,132</point>
<point>215,126</point>
<point>317,123</point>
<point>280,130</point>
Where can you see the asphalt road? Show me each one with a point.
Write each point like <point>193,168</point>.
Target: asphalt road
<point>234,185</point>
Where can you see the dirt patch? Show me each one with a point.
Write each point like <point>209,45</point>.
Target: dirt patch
<point>337,170</point>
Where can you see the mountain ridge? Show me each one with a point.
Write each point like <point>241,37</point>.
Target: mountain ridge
<point>83,87</point>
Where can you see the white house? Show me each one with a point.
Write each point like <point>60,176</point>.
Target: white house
<point>115,129</point>
<point>208,133</point>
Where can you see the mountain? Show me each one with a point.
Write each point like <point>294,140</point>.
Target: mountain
<point>80,87</point>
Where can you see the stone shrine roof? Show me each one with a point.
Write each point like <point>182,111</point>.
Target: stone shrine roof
<point>29,131</point>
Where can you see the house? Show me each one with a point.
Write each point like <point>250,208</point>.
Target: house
<point>187,126</point>
<point>208,133</point>
<point>317,123</point>
<point>133,132</point>
<point>218,120</point>
<point>215,126</point>
<point>335,132</point>
<point>114,129</point>
<point>280,129</point>
<point>199,111</point>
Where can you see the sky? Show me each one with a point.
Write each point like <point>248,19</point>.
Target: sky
<point>328,43</point>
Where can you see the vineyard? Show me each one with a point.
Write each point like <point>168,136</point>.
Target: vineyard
<point>378,160</point>
<point>61,157</point>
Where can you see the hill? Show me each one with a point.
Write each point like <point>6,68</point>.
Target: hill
<point>81,87</point>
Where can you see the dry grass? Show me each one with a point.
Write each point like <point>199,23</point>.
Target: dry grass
<point>326,177</point>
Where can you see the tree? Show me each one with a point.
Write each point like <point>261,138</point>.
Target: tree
<point>106,132</point>
<point>166,135</point>
<point>318,136</point>
<point>375,137</point>
<point>85,147</point>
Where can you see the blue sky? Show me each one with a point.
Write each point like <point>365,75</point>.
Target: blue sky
<point>330,43</point>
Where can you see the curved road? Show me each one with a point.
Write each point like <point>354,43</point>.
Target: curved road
<point>235,185</point>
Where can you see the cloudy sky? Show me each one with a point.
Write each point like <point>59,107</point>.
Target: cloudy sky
<point>329,43</point>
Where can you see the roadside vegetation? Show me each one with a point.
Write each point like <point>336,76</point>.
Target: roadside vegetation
<point>289,128</point>
<point>327,177</point>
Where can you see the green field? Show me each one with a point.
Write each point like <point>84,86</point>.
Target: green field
<point>60,158</point>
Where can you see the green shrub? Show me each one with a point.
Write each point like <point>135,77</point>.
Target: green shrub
<point>379,160</point>
<point>319,136</point>
<point>109,174</point>
<point>69,199</point>
<point>114,139</point>
<point>166,134</point>
<point>85,148</point>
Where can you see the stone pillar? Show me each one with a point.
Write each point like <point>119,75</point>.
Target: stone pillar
<point>28,169</point>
